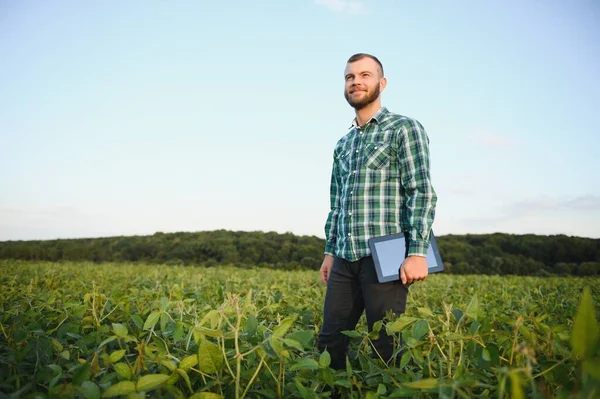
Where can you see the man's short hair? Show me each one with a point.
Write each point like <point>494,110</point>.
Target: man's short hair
<point>360,56</point>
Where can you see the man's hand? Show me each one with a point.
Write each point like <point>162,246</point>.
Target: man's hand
<point>326,268</point>
<point>414,268</point>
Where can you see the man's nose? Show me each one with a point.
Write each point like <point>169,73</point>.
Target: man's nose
<point>357,81</point>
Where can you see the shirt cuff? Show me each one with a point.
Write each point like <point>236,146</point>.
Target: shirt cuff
<point>330,246</point>
<point>418,248</point>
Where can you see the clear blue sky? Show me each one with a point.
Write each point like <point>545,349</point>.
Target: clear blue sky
<point>131,117</point>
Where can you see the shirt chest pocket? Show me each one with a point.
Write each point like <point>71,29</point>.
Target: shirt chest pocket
<point>377,155</point>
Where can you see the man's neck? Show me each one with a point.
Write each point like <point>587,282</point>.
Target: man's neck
<point>365,114</point>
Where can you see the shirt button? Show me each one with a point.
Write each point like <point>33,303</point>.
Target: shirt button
<point>357,151</point>
<point>354,172</point>
<point>349,234</point>
<point>375,147</point>
<point>351,192</point>
<point>350,213</point>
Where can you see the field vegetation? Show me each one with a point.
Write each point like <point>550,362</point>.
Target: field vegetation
<point>87,330</point>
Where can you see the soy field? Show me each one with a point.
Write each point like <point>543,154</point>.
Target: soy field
<point>85,330</point>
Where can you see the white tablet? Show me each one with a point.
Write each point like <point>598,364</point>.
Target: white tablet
<point>390,251</point>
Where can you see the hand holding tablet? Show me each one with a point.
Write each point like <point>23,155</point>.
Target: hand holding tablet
<point>389,253</point>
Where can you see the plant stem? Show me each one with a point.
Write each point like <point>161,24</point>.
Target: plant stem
<point>253,377</point>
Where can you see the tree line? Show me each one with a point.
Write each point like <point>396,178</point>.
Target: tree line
<point>462,254</point>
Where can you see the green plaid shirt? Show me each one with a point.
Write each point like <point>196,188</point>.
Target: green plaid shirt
<point>380,185</point>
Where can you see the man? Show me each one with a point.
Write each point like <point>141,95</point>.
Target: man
<point>380,185</point>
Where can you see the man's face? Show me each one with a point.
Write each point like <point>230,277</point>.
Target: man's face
<point>363,82</point>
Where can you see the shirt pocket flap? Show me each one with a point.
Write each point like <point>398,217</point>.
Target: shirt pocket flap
<point>377,155</point>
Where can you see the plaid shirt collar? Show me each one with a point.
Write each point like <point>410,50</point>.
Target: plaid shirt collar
<point>377,117</point>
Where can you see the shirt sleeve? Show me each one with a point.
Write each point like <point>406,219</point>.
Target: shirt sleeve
<point>420,198</point>
<point>332,217</point>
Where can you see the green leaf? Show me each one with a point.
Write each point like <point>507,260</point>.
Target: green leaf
<point>494,354</point>
<point>305,364</point>
<point>123,370</point>
<point>283,327</point>
<point>206,395</point>
<point>117,355</point>
<point>305,337</point>
<point>352,333</point>
<point>526,333</point>
<point>151,320</point>
<point>164,303</point>
<point>473,308</point>
<point>348,368</point>
<point>106,341</point>
<point>404,359</point>
<point>208,332</point>
<point>54,380</point>
<point>427,383</point>
<point>418,356</point>
<point>276,345</point>
<point>425,312</point>
<point>120,388</point>
<point>55,367</point>
<point>401,323</point>
<point>151,381</point>
<point>377,326</point>
<point>57,345</point>
<point>343,383</point>
<point>137,320</point>
<point>301,388</point>
<point>402,393</point>
<point>184,375</point>
<point>213,317</point>
<point>168,364</point>
<point>210,358</point>
<point>120,330</point>
<point>585,327</point>
<point>325,359</point>
<point>251,325</point>
<point>485,355</point>
<point>327,376</point>
<point>474,327</point>
<point>381,389</point>
<point>458,314</point>
<point>592,367</point>
<point>293,344</point>
<point>90,390</point>
<point>188,362</point>
<point>267,393</point>
<point>419,329</point>
<point>178,334</point>
<point>81,373</point>
<point>173,378</point>
<point>164,319</point>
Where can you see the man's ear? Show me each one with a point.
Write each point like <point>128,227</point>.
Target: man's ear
<point>382,84</point>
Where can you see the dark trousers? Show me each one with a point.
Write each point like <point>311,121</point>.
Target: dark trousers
<point>353,287</point>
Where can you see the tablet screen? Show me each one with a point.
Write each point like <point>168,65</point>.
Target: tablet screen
<point>389,252</point>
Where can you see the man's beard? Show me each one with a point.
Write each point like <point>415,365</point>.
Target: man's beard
<point>368,99</point>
